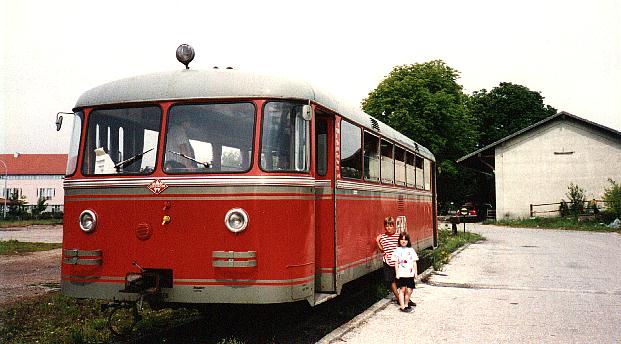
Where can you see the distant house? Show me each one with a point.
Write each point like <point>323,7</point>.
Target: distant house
<point>536,165</point>
<point>34,176</point>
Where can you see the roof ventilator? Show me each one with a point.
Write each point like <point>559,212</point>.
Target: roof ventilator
<point>374,124</point>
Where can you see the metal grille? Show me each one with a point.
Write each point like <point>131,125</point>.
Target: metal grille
<point>374,124</point>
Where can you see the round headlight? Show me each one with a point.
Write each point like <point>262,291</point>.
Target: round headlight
<point>236,220</point>
<point>88,221</point>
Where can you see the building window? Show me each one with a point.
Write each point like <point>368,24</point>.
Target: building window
<point>10,192</point>
<point>46,193</point>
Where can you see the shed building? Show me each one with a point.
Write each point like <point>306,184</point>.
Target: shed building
<point>537,164</point>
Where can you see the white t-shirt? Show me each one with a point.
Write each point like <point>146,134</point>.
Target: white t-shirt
<point>405,262</point>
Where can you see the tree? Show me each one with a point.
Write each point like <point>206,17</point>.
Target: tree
<point>40,207</point>
<point>505,110</point>
<point>16,206</point>
<point>425,102</point>
<point>577,198</point>
<point>612,196</point>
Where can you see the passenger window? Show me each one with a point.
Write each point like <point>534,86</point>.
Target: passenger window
<point>351,151</point>
<point>400,171</point>
<point>387,163</point>
<point>371,157</point>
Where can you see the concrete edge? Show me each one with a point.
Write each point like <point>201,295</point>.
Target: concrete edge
<point>337,334</point>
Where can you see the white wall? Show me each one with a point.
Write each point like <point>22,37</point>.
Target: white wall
<point>29,189</point>
<point>529,172</point>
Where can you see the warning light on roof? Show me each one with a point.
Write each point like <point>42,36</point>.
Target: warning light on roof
<point>185,54</point>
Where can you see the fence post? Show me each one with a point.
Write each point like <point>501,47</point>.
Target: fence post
<point>531,210</point>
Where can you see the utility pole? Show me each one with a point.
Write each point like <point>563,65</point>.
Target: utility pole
<point>5,194</point>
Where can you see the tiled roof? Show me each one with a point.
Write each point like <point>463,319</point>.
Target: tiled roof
<point>20,164</point>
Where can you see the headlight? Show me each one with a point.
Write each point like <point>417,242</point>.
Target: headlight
<point>236,220</point>
<point>88,221</point>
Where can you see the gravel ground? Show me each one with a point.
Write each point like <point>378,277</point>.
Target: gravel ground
<point>32,274</point>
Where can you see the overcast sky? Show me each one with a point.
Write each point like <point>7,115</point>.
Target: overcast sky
<point>53,51</point>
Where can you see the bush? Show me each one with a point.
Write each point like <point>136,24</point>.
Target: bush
<point>576,199</point>
<point>612,196</point>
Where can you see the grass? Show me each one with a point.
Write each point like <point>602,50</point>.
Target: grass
<point>13,247</point>
<point>447,244</point>
<point>54,318</point>
<point>568,222</point>
<point>24,223</point>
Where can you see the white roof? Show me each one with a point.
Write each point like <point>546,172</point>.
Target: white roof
<point>226,83</point>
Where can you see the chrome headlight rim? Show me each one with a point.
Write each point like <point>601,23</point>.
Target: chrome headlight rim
<point>93,223</point>
<point>236,212</point>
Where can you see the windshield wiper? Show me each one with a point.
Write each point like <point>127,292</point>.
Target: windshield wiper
<point>131,160</point>
<point>206,164</point>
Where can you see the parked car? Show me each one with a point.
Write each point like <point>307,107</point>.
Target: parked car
<point>468,212</point>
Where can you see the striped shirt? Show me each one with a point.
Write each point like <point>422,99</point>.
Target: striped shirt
<point>389,243</point>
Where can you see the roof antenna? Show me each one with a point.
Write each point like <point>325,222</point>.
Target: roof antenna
<point>185,54</point>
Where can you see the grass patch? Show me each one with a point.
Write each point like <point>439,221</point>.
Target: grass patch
<point>568,222</point>
<point>447,244</point>
<point>13,247</point>
<point>54,318</point>
<point>24,223</point>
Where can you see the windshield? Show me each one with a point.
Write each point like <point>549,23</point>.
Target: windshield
<point>122,141</point>
<point>209,138</point>
<point>285,138</point>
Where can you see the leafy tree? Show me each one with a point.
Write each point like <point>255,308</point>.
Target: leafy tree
<point>612,196</point>
<point>16,206</point>
<point>577,198</point>
<point>505,110</point>
<point>425,102</point>
<point>40,207</point>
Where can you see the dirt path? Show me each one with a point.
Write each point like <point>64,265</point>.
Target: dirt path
<point>25,276</point>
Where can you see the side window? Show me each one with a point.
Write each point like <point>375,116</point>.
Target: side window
<point>285,138</point>
<point>387,169</point>
<point>419,173</point>
<point>351,151</point>
<point>410,169</point>
<point>321,146</point>
<point>371,157</point>
<point>72,157</point>
<point>427,174</point>
<point>399,166</point>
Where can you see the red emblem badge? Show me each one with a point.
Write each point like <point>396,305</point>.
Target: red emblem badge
<point>157,186</point>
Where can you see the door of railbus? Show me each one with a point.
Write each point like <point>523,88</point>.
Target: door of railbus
<point>325,271</point>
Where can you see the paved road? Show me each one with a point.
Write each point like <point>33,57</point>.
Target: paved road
<point>519,286</point>
<point>35,233</point>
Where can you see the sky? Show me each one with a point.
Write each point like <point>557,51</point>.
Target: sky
<point>53,51</point>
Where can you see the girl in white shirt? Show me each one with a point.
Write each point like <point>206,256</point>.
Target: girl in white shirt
<point>405,259</point>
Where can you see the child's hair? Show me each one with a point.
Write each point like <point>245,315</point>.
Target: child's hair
<point>389,221</point>
<point>407,237</point>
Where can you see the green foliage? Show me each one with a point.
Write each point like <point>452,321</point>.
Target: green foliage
<point>577,198</point>
<point>572,223</point>
<point>505,110</point>
<point>563,209</point>
<point>612,196</point>
<point>425,102</point>
<point>16,206</point>
<point>40,207</point>
<point>16,247</point>
<point>447,244</point>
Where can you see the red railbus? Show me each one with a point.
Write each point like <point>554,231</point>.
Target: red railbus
<point>218,186</point>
